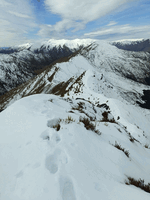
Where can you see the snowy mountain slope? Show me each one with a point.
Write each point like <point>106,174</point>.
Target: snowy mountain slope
<point>85,137</point>
<point>20,63</point>
<point>71,44</point>
<point>129,41</point>
<point>107,59</point>
<point>133,45</point>
<point>19,67</point>
<point>47,152</point>
<point>108,64</point>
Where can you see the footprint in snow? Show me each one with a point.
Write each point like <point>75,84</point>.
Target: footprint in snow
<point>53,161</point>
<point>67,189</point>
<point>45,135</point>
<point>56,138</point>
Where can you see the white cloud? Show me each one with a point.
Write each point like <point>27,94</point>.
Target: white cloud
<point>122,31</point>
<point>19,14</point>
<point>58,31</point>
<point>76,14</point>
<point>112,23</point>
<point>16,20</point>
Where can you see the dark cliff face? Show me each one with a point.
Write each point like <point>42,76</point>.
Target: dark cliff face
<point>143,45</point>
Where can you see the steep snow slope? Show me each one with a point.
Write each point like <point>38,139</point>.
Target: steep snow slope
<point>17,68</point>
<point>19,64</point>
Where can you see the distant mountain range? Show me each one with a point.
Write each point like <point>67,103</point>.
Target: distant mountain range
<point>21,63</point>
<point>38,68</point>
<point>133,45</point>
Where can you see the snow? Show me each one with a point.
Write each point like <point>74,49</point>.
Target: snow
<point>72,44</point>
<point>128,41</point>
<point>39,160</point>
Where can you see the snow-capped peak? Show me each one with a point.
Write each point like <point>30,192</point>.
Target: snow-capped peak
<point>128,41</point>
<point>72,44</point>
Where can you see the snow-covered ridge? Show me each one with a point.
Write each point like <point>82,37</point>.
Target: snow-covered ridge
<point>128,41</point>
<point>18,67</point>
<point>133,45</point>
<point>78,132</point>
<point>48,151</point>
<point>71,44</point>
<point>100,56</point>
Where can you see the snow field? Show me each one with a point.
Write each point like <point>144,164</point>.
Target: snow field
<point>73,163</point>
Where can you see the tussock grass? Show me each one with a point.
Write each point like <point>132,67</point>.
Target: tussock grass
<point>69,119</point>
<point>57,127</point>
<point>138,183</point>
<point>118,146</point>
<point>106,119</point>
<point>89,125</point>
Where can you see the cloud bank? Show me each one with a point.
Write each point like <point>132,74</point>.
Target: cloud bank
<point>76,14</point>
<point>120,31</point>
<point>16,20</point>
<point>19,22</point>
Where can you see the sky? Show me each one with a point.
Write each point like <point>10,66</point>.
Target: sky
<point>23,21</point>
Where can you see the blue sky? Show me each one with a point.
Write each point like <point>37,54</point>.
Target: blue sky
<point>33,20</point>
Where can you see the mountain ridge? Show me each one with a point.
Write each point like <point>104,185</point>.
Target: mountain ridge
<point>133,45</point>
<point>75,130</point>
<point>102,57</point>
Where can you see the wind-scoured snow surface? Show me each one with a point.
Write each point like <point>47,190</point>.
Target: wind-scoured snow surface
<point>48,151</point>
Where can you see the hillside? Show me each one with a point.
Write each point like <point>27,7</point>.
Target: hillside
<point>130,69</point>
<point>78,129</point>
<point>21,63</point>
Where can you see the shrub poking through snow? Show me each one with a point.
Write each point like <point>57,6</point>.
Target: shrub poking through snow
<point>89,125</point>
<point>146,146</point>
<point>132,139</point>
<point>57,127</point>
<point>118,146</point>
<point>138,183</point>
<point>103,106</point>
<point>54,123</point>
<point>69,120</point>
<point>106,119</point>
